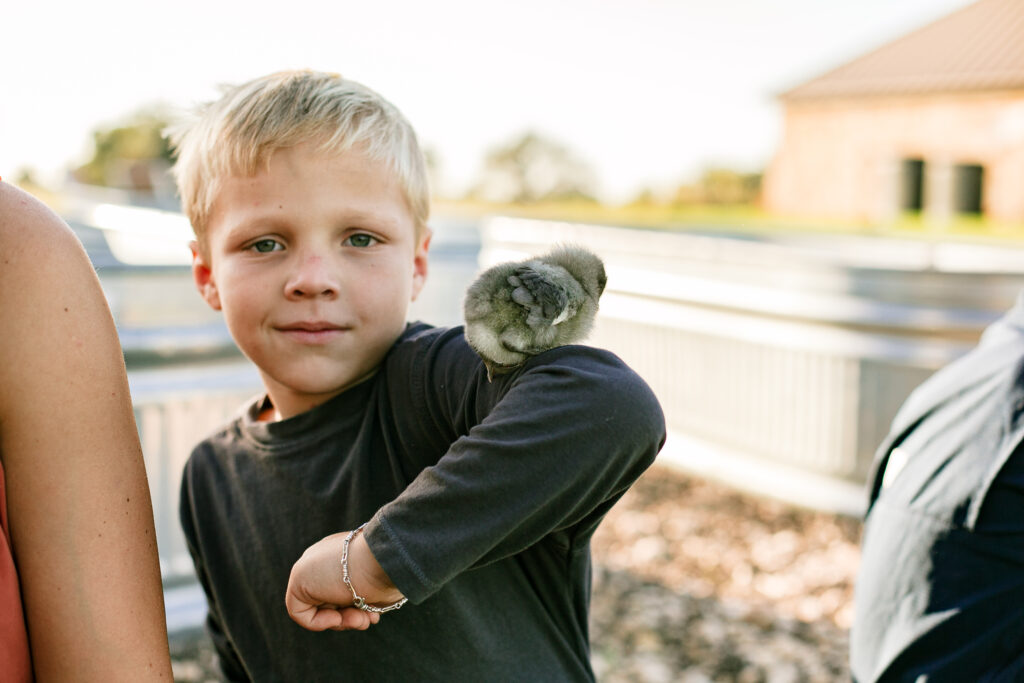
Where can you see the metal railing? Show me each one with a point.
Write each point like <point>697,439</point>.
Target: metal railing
<point>782,357</point>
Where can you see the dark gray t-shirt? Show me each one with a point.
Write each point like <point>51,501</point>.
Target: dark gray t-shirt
<point>482,499</point>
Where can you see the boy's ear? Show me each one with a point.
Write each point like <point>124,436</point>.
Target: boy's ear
<point>419,263</point>
<point>203,277</point>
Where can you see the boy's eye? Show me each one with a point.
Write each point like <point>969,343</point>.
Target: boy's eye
<point>265,245</point>
<point>360,240</point>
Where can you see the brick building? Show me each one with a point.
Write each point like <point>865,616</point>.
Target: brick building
<point>931,122</point>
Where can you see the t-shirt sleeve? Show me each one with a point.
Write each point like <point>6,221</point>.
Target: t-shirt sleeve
<point>230,663</point>
<point>548,449</point>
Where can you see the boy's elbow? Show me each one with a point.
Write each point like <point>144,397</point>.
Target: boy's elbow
<point>643,418</point>
<point>597,392</point>
<point>631,410</point>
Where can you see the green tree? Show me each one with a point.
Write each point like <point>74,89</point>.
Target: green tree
<point>132,155</point>
<point>532,168</point>
<point>722,187</point>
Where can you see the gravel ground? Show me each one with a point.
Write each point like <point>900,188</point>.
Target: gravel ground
<point>697,582</point>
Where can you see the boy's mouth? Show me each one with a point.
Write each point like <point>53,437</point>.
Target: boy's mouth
<point>312,332</point>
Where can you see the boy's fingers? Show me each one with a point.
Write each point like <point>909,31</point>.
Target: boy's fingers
<point>312,617</point>
<point>296,608</point>
<point>316,618</point>
<point>322,618</point>
<point>356,619</point>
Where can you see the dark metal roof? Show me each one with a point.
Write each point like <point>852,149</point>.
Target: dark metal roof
<point>979,47</point>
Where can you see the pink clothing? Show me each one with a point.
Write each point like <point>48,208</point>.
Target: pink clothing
<point>15,658</point>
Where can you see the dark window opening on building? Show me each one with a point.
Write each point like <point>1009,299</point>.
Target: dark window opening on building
<point>911,184</point>
<point>968,180</point>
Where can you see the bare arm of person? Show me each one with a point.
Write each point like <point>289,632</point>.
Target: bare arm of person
<point>79,507</point>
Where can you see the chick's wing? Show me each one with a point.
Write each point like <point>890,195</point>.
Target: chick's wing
<point>541,291</point>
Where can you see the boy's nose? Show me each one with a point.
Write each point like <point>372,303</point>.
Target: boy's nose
<point>312,278</point>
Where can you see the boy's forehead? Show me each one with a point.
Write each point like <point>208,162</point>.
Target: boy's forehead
<point>351,179</point>
<point>354,162</point>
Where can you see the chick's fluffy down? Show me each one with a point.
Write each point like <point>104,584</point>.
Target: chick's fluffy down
<point>516,310</point>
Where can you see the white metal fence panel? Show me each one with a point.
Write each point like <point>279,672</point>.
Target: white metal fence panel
<point>796,352</point>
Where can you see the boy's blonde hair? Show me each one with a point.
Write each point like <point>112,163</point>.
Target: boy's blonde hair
<point>236,135</point>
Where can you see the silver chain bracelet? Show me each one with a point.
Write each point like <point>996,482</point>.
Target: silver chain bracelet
<point>356,599</point>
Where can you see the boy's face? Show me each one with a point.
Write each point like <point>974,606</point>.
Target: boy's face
<point>314,262</point>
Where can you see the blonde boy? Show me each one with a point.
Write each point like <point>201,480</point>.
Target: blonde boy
<point>381,465</point>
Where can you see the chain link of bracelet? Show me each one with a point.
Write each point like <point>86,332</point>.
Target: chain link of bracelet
<point>356,599</point>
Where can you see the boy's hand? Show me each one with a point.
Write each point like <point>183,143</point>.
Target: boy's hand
<point>317,599</point>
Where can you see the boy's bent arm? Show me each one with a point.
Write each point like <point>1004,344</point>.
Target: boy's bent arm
<point>80,514</point>
<point>572,432</point>
<point>553,454</point>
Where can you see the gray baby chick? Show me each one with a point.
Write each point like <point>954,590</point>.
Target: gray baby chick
<point>517,310</point>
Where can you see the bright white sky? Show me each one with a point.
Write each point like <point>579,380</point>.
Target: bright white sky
<point>648,92</point>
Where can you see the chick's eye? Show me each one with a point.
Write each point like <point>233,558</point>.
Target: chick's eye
<point>266,245</point>
<point>360,240</point>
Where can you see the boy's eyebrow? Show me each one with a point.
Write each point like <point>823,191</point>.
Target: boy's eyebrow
<point>246,225</point>
<point>363,216</point>
<point>353,218</point>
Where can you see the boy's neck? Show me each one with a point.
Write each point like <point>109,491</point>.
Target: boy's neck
<point>268,414</point>
<point>272,412</point>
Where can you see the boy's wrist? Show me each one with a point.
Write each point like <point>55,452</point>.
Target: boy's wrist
<point>365,578</point>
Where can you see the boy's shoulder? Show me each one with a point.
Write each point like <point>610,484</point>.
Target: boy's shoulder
<point>444,352</point>
<point>438,366</point>
<point>421,341</point>
<point>423,348</point>
<point>420,335</point>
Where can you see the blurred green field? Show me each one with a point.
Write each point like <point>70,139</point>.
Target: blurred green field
<point>745,218</point>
